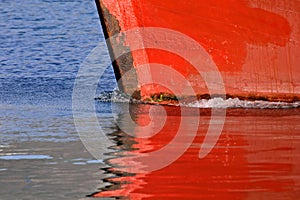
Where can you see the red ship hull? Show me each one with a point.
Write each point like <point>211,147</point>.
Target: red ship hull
<point>251,48</point>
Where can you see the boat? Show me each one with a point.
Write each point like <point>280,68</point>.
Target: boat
<point>170,51</point>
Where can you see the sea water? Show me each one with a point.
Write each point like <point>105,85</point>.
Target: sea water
<point>42,45</point>
<point>223,149</point>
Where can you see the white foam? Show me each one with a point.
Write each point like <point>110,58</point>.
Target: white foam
<point>118,97</point>
<point>114,96</point>
<point>237,103</point>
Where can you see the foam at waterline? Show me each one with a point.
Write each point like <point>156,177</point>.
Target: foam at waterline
<point>237,103</point>
<point>115,96</point>
<point>118,97</point>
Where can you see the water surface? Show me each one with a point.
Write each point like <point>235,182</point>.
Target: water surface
<point>256,157</point>
<point>43,44</point>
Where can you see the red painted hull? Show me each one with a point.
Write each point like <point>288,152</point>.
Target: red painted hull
<point>254,45</point>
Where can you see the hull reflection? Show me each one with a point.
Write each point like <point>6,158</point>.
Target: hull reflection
<point>256,157</point>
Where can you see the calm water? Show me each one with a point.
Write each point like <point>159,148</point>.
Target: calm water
<point>256,157</point>
<point>42,45</point>
<point>42,156</point>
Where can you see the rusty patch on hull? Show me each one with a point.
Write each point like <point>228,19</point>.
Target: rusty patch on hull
<point>129,84</point>
<point>123,63</point>
<point>171,99</point>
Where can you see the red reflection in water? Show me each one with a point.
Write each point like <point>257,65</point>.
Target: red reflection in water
<point>256,157</point>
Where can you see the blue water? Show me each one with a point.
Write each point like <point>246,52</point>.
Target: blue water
<point>42,46</point>
<point>43,43</point>
<point>26,157</point>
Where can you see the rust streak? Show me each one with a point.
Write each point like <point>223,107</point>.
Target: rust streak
<point>123,63</point>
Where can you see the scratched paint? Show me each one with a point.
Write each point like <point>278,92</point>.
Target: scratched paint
<point>255,44</point>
